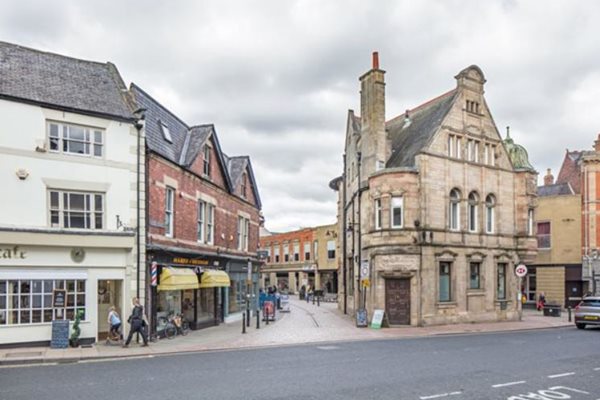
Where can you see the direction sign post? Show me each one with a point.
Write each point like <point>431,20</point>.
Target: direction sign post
<point>520,272</point>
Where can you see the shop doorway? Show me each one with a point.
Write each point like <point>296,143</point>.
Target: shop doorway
<point>109,294</point>
<point>397,301</point>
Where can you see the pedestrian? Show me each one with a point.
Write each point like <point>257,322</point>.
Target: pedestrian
<point>114,321</point>
<point>138,322</point>
<point>308,293</point>
<point>541,302</point>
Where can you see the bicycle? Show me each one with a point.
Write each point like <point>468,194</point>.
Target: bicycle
<point>174,325</point>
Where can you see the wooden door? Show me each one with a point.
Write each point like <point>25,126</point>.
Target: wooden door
<point>397,301</point>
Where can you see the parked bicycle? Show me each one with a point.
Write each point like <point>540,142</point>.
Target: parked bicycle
<point>174,325</point>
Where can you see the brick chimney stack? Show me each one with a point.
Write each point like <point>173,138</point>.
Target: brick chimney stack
<point>548,178</point>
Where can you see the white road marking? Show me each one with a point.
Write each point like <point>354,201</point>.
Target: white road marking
<point>436,396</point>
<point>508,384</point>
<point>597,369</point>
<point>561,375</point>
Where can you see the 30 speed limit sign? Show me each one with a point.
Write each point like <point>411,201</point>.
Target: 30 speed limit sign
<point>521,270</point>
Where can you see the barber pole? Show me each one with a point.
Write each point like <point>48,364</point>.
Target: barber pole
<point>154,273</point>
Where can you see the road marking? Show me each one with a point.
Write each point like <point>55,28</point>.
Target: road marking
<point>597,369</point>
<point>561,375</point>
<point>437,396</point>
<point>508,384</point>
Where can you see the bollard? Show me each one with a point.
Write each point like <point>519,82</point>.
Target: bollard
<point>248,318</point>
<point>318,301</point>
<point>257,319</point>
<point>569,310</point>
<point>244,322</point>
<point>267,315</point>
<point>314,299</point>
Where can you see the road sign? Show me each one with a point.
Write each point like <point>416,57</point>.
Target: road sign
<point>521,270</point>
<point>366,282</point>
<point>364,269</point>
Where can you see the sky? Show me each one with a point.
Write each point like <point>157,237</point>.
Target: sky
<point>277,77</point>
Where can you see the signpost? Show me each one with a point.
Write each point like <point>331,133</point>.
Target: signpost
<point>361,318</point>
<point>520,272</point>
<point>60,326</point>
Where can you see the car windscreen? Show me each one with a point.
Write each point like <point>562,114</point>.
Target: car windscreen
<point>591,303</point>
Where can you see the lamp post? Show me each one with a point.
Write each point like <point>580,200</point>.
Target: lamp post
<point>358,158</point>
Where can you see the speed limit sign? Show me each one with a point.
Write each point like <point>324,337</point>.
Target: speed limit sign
<point>521,270</point>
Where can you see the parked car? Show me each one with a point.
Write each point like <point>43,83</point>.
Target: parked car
<point>588,312</point>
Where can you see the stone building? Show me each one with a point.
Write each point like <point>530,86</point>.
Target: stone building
<point>434,207</point>
<point>307,256</point>
<point>590,218</point>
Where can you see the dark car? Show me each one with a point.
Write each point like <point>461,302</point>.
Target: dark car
<point>588,312</point>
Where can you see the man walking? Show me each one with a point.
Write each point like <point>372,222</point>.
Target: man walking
<point>137,320</point>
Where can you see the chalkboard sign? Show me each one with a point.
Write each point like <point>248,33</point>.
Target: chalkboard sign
<point>361,318</point>
<point>59,297</point>
<point>60,334</point>
<point>377,319</point>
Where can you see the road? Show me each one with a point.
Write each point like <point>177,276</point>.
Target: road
<point>545,364</point>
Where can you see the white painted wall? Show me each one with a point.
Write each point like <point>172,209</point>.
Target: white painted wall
<point>25,202</point>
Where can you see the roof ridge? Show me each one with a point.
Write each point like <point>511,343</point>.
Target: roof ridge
<point>53,54</point>
<point>423,105</point>
<point>133,85</point>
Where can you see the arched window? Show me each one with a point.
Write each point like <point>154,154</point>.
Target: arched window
<point>454,210</point>
<point>472,211</point>
<point>490,204</point>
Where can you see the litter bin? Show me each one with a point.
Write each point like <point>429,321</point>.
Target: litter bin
<point>552,310</point>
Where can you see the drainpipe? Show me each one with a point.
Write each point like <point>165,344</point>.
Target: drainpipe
<point>344,245</point>
<point>360,290</point>
<point>139,125</point>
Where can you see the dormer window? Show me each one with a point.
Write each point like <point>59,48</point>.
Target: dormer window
<point>244,185</point>
<point>165,132</point>
<point>206,160</point>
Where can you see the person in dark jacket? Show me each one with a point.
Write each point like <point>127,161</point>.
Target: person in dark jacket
<point>138,321</point>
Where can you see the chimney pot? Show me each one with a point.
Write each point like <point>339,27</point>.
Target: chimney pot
<point>375,60</point>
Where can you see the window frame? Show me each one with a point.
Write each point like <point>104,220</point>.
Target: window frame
<point>89,198</point>
<point>169,211</point>
<point>441,274</point>
<point>490,213</point>
<point>206,160</point>
<point>200,221</point>
<point>90,142</point>
<point>331,252</point>
<point>540,236</point>
<point>454,210</point>
<point>501,281</point>
<point>472,212</point>
<point>306,246</point>
<point>394,207</point>
<point>378,211</point>
<point>477,275</point>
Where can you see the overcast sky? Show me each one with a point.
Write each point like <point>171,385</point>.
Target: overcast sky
<point>277,77</point>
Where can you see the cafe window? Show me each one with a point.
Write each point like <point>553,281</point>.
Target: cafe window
<point>76,210</point>
<point>27,301</point>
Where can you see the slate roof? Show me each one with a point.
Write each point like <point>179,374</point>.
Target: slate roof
<point>557,189</point>
<point>408,139</point>
<point>570,171</point>
<point>60,82</point>
<point>187,142</point>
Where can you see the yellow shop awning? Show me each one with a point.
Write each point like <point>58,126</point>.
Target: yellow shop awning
<point>178,279</point>
<point>213,278</point>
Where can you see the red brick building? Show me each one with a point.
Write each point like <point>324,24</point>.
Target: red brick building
<point>203,218</point>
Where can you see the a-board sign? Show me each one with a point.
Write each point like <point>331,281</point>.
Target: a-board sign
<point>60,334</point>
<point>59,298</point>
<point>361,318</point>
<point>377,319</point>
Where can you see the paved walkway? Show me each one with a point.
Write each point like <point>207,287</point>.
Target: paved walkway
<point>306,323</point>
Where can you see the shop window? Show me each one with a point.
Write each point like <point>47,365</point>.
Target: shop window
<point>206,305</point>
<point>75,139</point>
<point>501,282</point>
<point>543,235</point>
<point>76,210</point>
<point>475,275</point>
<point>445,283</point>
<point>27,301</point>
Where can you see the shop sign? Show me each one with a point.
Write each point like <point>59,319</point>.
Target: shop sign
<point>189,261</point>
<point>12,253</point>
<point>377,319</point>
<point>59,297</point>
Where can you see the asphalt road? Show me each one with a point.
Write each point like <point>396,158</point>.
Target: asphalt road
<point>544,365</point>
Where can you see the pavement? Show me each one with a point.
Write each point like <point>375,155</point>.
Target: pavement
<point>305,323</point>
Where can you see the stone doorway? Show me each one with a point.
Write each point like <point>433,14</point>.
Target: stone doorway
<point>397,301</point>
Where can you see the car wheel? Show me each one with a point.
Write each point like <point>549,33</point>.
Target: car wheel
<point>580,326</point>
